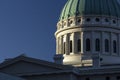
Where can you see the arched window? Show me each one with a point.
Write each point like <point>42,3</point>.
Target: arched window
<point>70,46</point>
<point>87,78</point>
<point>114,46</point>
<point>118,78</point>
<point>64,47</point>
<point>107,78</point>
<point>106,45</point>
<point>97,45</point>
<point>87,44</point>
<point>79,45</point>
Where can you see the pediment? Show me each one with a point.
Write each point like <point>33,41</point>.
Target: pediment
<point>22,64</point>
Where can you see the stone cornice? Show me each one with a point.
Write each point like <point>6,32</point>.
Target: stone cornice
<point>87,28</point>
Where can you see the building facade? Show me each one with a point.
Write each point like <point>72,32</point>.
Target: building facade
<point>87,46</point>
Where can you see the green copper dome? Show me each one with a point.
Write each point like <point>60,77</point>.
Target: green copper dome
<point>91,7</point>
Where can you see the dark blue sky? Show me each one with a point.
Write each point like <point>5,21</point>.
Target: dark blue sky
<point>28,26</point>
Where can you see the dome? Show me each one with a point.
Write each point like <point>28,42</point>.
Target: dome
<point>91,7</point>
<point>89,30</point>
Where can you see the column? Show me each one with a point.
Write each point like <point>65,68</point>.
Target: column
<point>67,45</point>
<point>82,43</point>
<point>74,43</point>
<point>61,45</point>
<point>58,50</point>
<point>56,46</point>
<point>119,44</point>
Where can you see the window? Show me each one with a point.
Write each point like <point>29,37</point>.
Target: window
<point>68,15</point>
<point>114,46</point>
<point>97,19</point>
<point>79,45</point>
<point>79,20</point>
<point>64,47</point>
<point>70,45</point>
<point>114,21</point>
<point>87,79</point>
<point>71,21</point>
<point>88,19</point>
<point>106,45</point>
<point>107,78</point>
<point>64,23</point>
<point>87,44</point>
<point>97,45</point>
<point>118,78</point>
<point>106,20</point>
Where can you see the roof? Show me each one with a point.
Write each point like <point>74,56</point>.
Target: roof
<point>33,60</point>
<point>9,77</point>
<point>99,71</point>
<point>18,66</point>
<point>91,7</point>
<point>62,69</point>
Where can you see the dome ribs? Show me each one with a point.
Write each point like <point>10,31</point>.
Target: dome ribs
<point>87,10</point>
<point>109,8</point>
<point>67,10</point>
<point>116,8</point>
<point>97,7</point>
<point>70,9</point>
<point>112,8</point>
<point>63,11</point>
<point>77,8</point>
<point>74,8</point>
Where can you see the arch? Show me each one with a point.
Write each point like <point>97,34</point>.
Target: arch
<point>114,46</point>
<point>88,44</point>
<point>79,45</point>
<point>106,45</point>
<point>97,44</point>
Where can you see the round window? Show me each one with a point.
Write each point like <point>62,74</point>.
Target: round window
<point>88,19</point>
<point>97,19</point>
<point>79,20</point>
